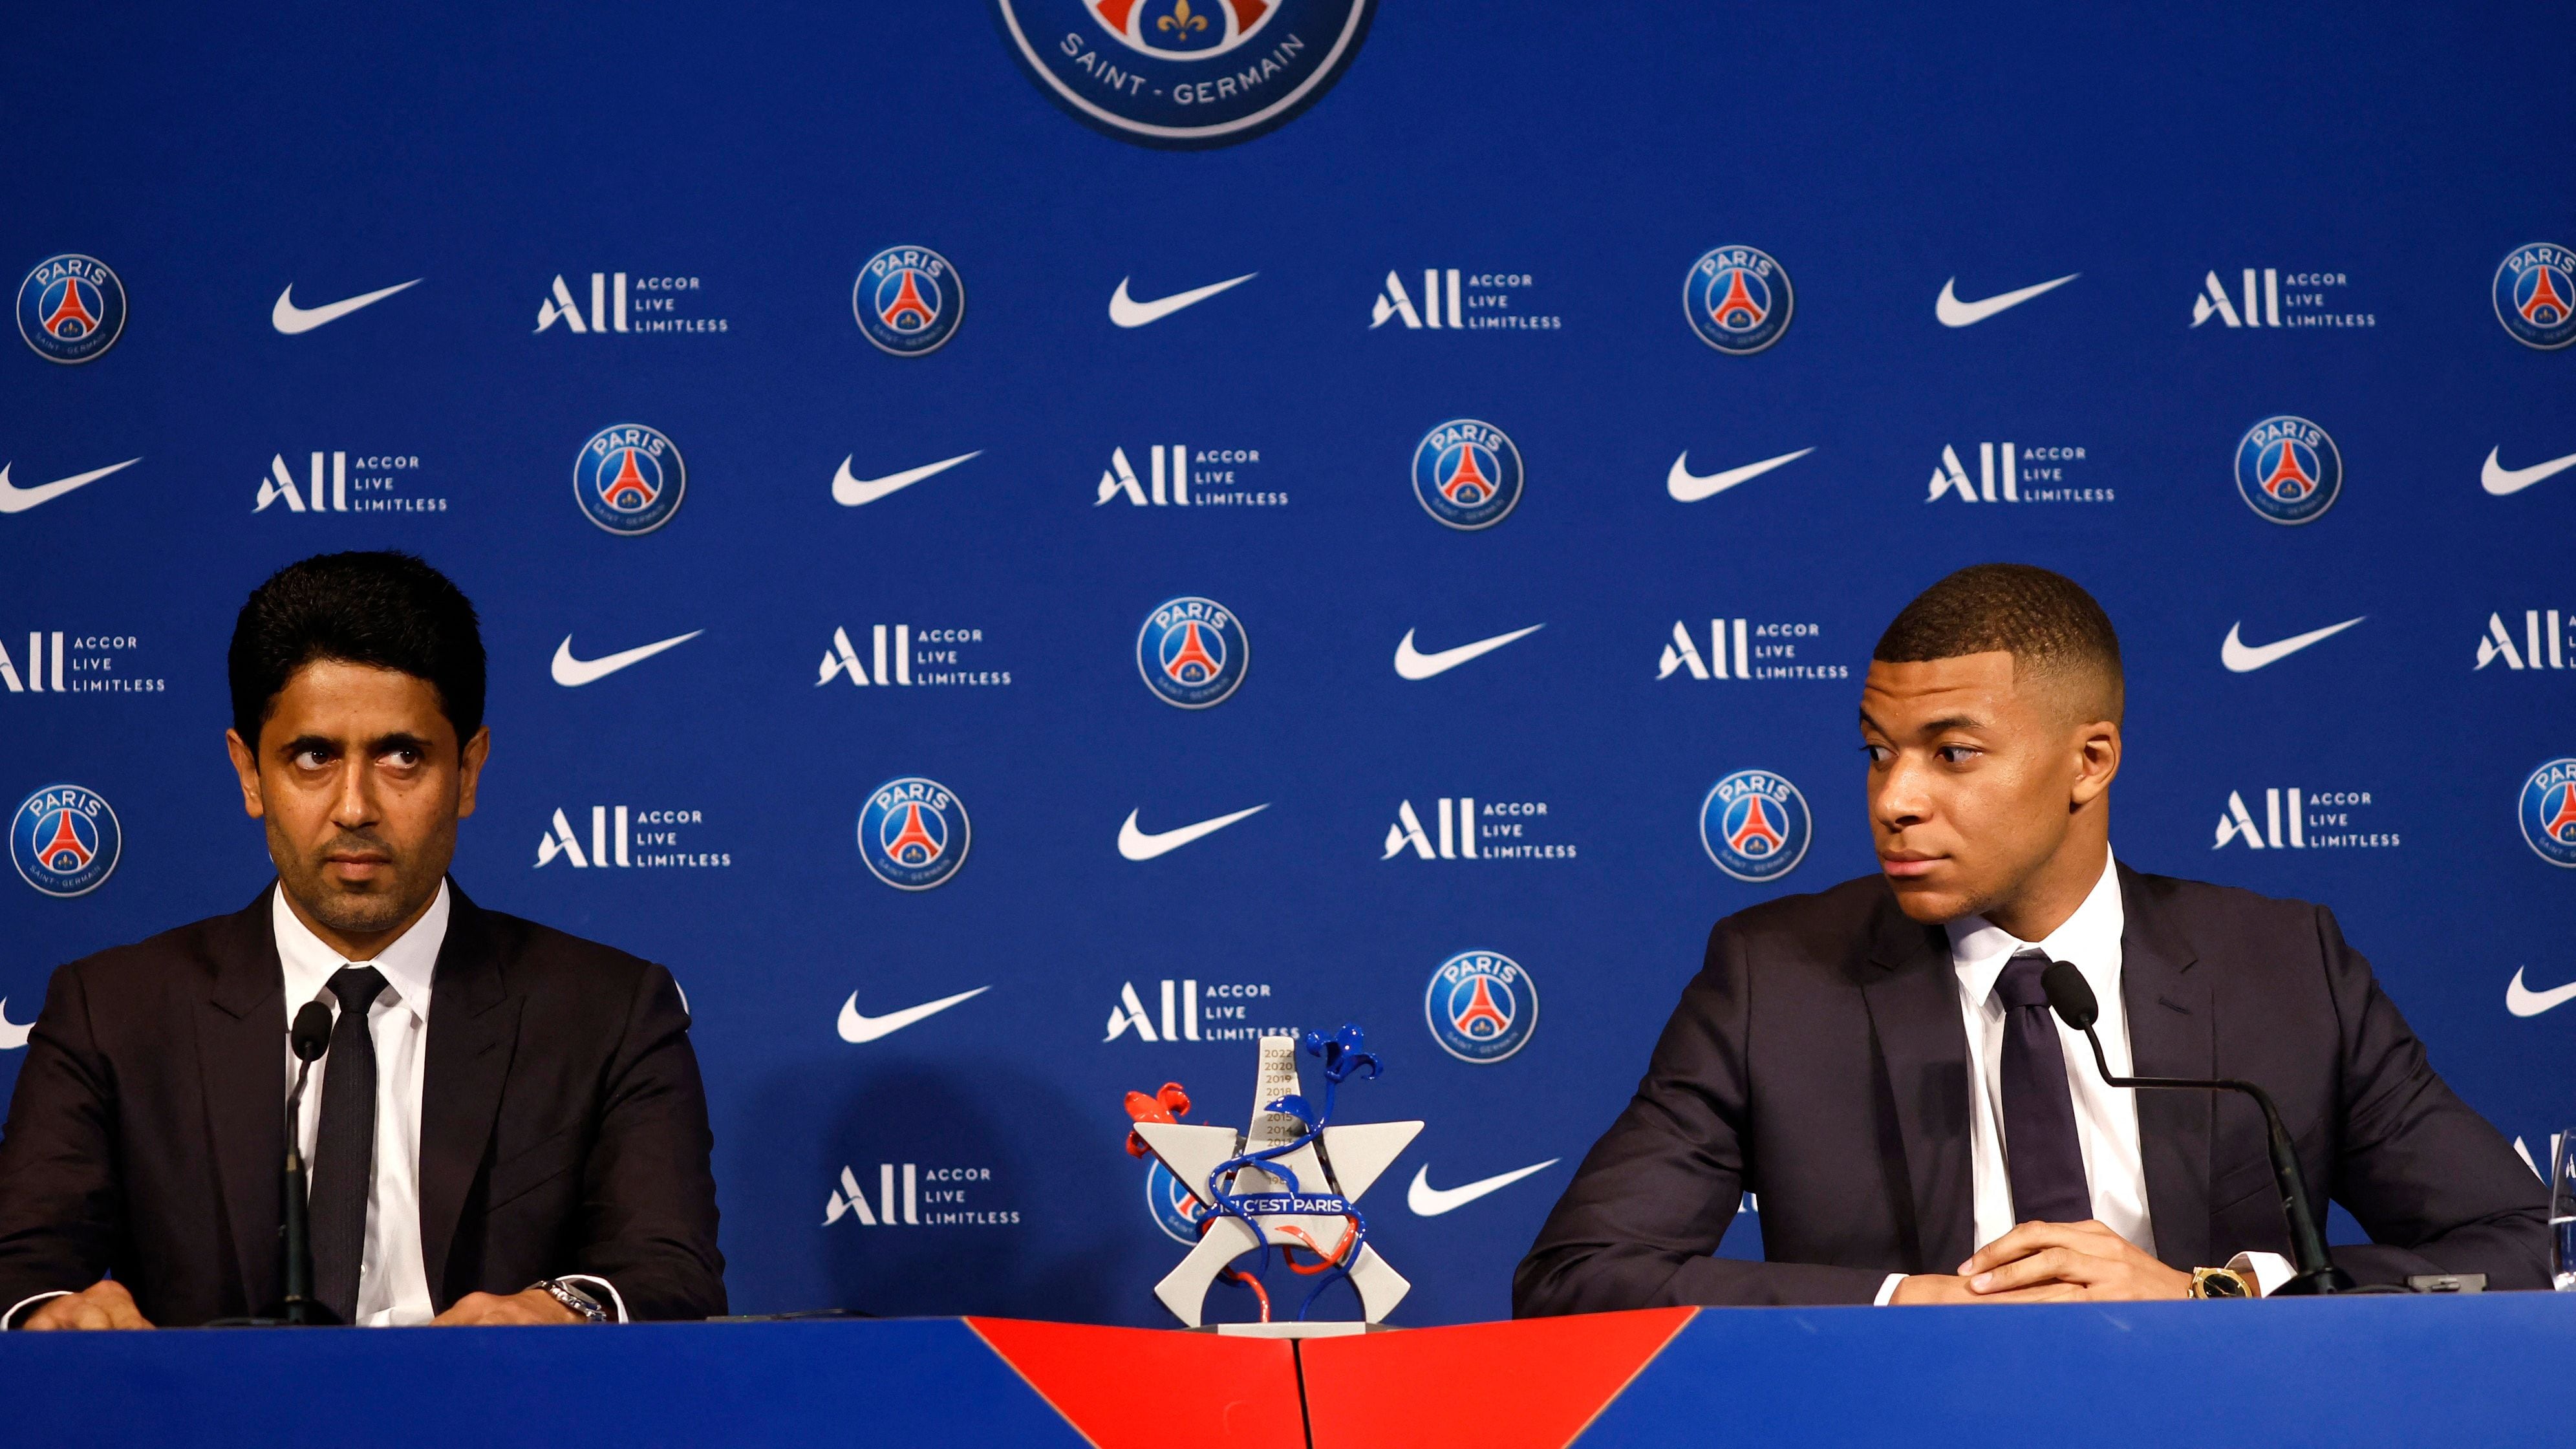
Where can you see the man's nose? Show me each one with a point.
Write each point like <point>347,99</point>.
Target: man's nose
<point>1897,798</point>
<point>354,804</point>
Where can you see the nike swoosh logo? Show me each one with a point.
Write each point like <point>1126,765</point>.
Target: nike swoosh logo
<point>851,491</point>
<point>290,319</point>
<point>1137,844</point>
<point>2501,480</point>
<point>1689,487</point>
<point>14,1036</point>
<point>1955,313</point>
<point>19,500</point>
<point>1126,311</point>
<point>573,673</point>
<point>1430,1202</point>
<point>1412,663</point>
<point>2243,658</point>
<point>2519,999</point>
<point>857,1029</point>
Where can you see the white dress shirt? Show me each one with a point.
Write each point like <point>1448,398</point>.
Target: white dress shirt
<point>393,1278</point>
<point>393,1281</point>
<point>2106,1117</point>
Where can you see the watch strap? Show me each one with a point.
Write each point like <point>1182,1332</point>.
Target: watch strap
<point>581,1305</point>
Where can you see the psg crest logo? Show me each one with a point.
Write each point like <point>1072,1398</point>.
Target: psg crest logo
<point>64,840</point>
<point>2535,295</point>
<point>2288,469</point>
<point>1482,1006</point>
<point>1467,474</point>
<point>1176,1209</point>
<point>1185,73</point>
<point>913,833</point>
<point>908,300</point>
<point>1737,299</point>
<point>629,479</point>
<point>1192,652</point>
<point>71,308</point>
<point>2549,812</point>
<point>1755,825</point>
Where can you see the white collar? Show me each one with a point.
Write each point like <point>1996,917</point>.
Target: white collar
<point>408,962</point>
<point>2090,938</point>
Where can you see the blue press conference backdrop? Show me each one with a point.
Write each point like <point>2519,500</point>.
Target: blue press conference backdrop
<point>657,217</point>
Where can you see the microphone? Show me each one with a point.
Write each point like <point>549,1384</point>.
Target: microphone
<point>2071,997</point>
<point>309,1038</point>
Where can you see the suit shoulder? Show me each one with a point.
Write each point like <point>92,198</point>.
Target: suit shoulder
<point>181,951</point>
<point>1818,921</point>
<point>2196,903</point>
<point>560,955</point>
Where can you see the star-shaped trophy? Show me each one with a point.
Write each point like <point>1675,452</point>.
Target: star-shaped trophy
<point>1291,1180</point>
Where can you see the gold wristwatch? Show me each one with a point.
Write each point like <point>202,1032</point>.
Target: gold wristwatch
<point>2220,1283</point>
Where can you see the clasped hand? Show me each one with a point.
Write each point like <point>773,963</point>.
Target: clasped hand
<point>2051,1263</point>
<point>106,1304</point>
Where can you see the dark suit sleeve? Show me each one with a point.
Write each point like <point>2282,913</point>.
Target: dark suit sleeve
<point>1637,1225</point>
<point>2435,1185</point>
<point>61,1214</point>
<point>649,1194</point>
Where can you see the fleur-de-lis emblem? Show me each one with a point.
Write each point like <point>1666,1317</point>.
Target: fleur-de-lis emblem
<point>1182,20</point>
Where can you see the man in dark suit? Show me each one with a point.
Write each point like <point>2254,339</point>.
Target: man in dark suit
<point>509,1125</point>
<point>1878,1065</point>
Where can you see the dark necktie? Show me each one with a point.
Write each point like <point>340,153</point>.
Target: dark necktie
<point>344,1146</point>
<point>2041,1152</point>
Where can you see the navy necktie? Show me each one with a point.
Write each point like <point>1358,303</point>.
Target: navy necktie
<point>2042,1154</point>
<point>344,1145</point>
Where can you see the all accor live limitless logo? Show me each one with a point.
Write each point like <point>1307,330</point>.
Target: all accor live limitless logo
<point>649,304</point>
<point>374,489</point>
<point>936,1197</point>
<point>79,664</point>
<point>1483,304</point>
<point>2542,645</point>
<point>2319,820</point>
<point>1492,830</point>
<point>645,839</point>
<point>1218,1011</point>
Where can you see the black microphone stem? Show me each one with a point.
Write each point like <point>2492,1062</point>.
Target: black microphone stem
<point>299,1240</point>
<point>2316,1271</point>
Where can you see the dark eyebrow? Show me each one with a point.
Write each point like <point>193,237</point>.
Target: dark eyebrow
<point>398,740</point>
<point>1946,722</point>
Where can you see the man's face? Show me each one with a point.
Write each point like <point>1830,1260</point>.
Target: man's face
<point>360,780</point>
<point>1974,784</point>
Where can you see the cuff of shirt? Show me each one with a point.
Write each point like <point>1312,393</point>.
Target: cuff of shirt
<point>1887,1290</point>
<point>2269,1270</point>
<point>9,1319</point>
<point>603,1285</point>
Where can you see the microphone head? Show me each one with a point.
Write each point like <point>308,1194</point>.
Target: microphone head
<point>2069,994</point>
<point>311,1034</point>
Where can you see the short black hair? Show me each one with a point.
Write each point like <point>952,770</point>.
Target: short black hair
<point>2045,620</point>
<point>385,610</point>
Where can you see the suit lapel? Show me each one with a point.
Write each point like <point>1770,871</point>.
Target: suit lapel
<point>2172,1033</point>
<point>473,1027</point>
<point>1914,1017</point>
<point>241,1066</point>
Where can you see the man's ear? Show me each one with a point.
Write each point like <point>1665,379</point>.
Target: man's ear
<point>469,768</point>
<point>246,765</point>
<point>2097,760</point>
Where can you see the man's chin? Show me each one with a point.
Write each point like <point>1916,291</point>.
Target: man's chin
<point>356,910</point>
<point>1927,904</point>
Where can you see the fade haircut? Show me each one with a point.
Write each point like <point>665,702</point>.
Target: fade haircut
<point>382,610</point>
<point>2053,629</point>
